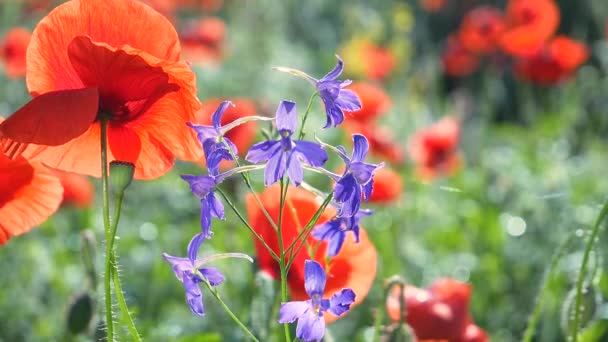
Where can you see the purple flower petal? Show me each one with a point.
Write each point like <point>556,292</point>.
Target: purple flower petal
<point>348,100</point>
<point>194,246</point>
<point>194,296</point>
<point>275,169</point>
<point>215,206</point>
<point>216,118</point>
<point>361,147</point>
<point>295,172</point>
<point>200,186</point>
<point>362,172</point>
<point>327,230</point>
<point>206,218</point>
<point>311,327</point>
<point>335,244</point>
<point>179,265</point>
<point>287,116</point>
<point>335,72</point>
<point>341,301</point>
<point>311,153</point>
<point>314,278</point>
<point>262,151</point>
<point>291,311</point>
<point>212,275</point>
<point>204,133</point>
<point>368,188</point>
<point>344,188</point>
<point>335,115</point>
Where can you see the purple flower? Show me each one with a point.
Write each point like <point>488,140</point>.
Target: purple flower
<point>285,154</point>
<point>357,178</point>
<point>203,187</point>
<point>213,140</point>
<point>334,231</point>
<point>311,324</point>
<point>190,272</point>
<point>335,98</point>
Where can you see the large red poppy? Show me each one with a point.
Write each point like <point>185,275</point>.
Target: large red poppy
<point>374,102</point>
<point>89,58</point>
<point>29,194</point>
<point>354,267</point>
<point>388,186</point>
<point>435,149</point>
<point>529,24</point>
<point>555,62</point>
<point>456,59</point>
<point>379,62</point>
<point>12,51</point>
<point>481,29</point>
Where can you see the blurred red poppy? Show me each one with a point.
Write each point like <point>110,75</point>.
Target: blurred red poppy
<point>381,141</point>
<point>435,149</point>
<point>88,59</point>
<point>387,186</point>
<point>481,30</point>
<point>555,62</point>
<point>354,267</point>
<point>374,102</point>
<point>456,59</point>
<point>379,62</point>
<point>203,41</point>
<point>530,23</point>
<point>440,312</point>
<point>78,190</point>
<point>12,51</point>
<point>243,135</point>
<point>29,194</point>
<point>432,5</point>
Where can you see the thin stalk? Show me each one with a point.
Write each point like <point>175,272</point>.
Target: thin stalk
<point>535,316</point>
<point>240,216</point>
<point>305,117</point>
<point>282,265</point>
<point>107,228</point>
<point>582,271</point>
<point>229,312</point>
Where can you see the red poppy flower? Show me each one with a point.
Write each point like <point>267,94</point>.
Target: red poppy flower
<point>243,135</point>
<point>203,41</point>
<point>555,62</point>
<point>90,58</point>
<point>529,24</point>
<point>387,186</point>
<point>374,102</point>
<point>77,189</point>
<point>481,30</point>
<point>440,312</point>
<point>379,62</point>
<point>434,149</point>
<point>381,142</point>
<point>29,194</point>
<point>456,59</point>
<point>12,51</point>
<point>354,267</point>
<point>432,5</point>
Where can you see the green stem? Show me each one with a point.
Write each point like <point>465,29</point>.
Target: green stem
<point>582,271</point>
<point>282,265</point>
<point>229,312</point>
<point>533,321</point>
<point>107,228</point>
<point>305,117</point>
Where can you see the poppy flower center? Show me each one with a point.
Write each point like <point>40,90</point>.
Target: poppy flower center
<point>528,15</point>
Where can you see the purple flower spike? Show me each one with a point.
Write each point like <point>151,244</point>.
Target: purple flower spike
<point>334,231</point>
<point>285,154</point>
<point>212,139</point>
<point>357,178</point>
<point>335,98</point>
<point>311,324</point>
<point>191,272</point>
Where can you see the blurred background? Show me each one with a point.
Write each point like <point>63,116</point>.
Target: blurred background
<point>495,149</point>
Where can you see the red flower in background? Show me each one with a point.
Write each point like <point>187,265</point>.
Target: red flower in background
<point>379,62</point>
<point>555,62</point>
<point>387,186</point>
<point>458,60</point>
<point>381,141</point>
<point>440,312</point>
<point>481,29</point>
<point>77,190</point>
<point>12,51</point>
<point>242,136</point>
<point>432,5</point>
<point>87,57</point>
<point>374,102</point>
<point>529,24</point>
<point>29,194</point>
<point>354,267</point>
<point>203,41</point>
<point>435,149</point>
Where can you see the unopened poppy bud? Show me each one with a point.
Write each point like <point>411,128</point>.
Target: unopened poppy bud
<point>121,175</point>
<point>80,313</point>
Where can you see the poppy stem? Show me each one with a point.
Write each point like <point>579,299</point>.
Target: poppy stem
<point>583,270</point>
<point>282,252</point>
<point>534,317</point>
<point>305,117</point>
<point>105,194</point>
